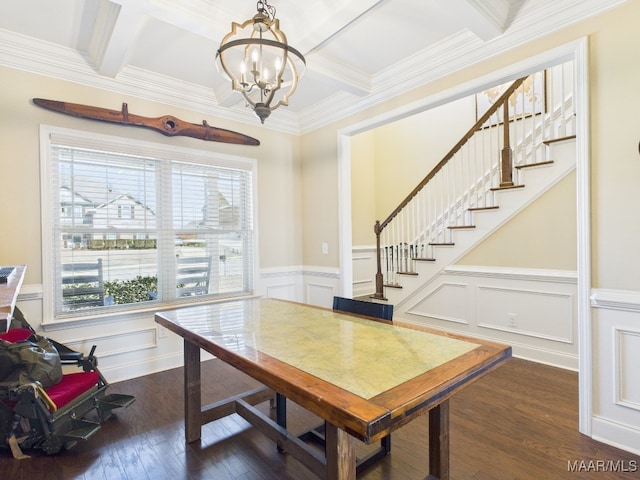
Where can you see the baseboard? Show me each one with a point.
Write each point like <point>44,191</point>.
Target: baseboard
<point>615,434</point>
<point>146,366</point>
<point>552,358</point>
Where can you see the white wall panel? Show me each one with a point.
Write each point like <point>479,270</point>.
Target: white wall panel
<point>364,269</point>
<point>616,359</point>
<point>284,291</point>
<point>320,294</point>
<point>284,283</point>
<point>117,344</point>
<point>447,302</point>
<point>536,313</point>
<point>627,357</point>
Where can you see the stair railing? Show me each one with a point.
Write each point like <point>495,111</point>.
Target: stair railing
<point>441,208</point>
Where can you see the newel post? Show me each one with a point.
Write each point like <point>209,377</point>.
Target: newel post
<point>506,166</point>
<point>379,279</point>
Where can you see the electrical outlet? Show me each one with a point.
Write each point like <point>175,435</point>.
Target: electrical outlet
<point>162,332</point>
<point>325,248</point>
<point>511,320</point>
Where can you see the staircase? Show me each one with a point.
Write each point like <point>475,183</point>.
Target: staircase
<point>490,175</point>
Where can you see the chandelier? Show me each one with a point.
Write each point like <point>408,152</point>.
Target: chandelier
<point>261,65</point>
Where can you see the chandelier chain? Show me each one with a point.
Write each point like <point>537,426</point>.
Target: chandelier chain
<point>266,9</point>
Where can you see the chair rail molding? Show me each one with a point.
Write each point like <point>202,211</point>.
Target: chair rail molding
<point>616,300</point>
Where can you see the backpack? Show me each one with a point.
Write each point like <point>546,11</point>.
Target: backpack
<point>28,357</point>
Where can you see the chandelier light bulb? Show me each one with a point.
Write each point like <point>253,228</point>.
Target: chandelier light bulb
<point>260,41</point>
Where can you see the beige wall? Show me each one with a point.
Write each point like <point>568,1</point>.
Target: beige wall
<point>543,235</point>
<point>614,79</point>
<point>320,198</point>
<point>615,132</point>
<point>298,201</point>
<point>406,150</point>
<point>363,198</point>
<point>279,182</point>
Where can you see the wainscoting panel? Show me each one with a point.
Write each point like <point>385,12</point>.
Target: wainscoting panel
<point>284,291</point>
<point>447,302</point>
<point>320,294</point>
<point>364,268</point>
<point>320,285</point>
<point>627,356</point>
<point>534,311</point>
<point>616,359</point>
<point>309,284</point>
<point>113,345</point>
<point>284,283</point>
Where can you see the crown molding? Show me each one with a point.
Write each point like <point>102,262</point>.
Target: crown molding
<point>458,52</point>
<point>34,56</point>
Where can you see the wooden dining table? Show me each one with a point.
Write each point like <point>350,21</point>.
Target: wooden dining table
<point>364,377</point>
<point>9,291</point>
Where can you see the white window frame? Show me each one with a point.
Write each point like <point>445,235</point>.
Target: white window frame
<point>125,145</point>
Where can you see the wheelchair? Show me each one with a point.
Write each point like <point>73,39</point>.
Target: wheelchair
<point>59,416</point>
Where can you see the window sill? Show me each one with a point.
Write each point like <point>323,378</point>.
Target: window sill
<point>121,314</point>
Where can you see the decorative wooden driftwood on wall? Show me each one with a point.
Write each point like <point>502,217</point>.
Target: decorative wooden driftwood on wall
<point>167,125</point>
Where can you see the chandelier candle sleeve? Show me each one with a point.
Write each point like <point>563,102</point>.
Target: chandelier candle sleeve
<point>260,63</point>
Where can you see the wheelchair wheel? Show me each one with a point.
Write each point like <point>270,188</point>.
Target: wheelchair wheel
<point>52,444</point>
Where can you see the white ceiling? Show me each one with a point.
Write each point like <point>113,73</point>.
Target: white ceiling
<point>358,52</point>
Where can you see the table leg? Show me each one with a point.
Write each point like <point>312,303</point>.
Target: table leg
<point>192,393</point>
<point>281,414</point>
<point>341,454</point>
<point>439,442</point>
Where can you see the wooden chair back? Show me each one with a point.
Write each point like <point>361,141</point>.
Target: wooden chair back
<point>82,285</point>
<point>362,307</point>
<point>192,275</point>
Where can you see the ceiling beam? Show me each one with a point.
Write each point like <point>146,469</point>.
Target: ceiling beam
<point>487,19</point>
<point>114,32</point>
<point>341,76</point>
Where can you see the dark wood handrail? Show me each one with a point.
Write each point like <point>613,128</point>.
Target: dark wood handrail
<point>481,121</point>
<point>502,102</point>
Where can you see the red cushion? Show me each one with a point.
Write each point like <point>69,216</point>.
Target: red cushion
<point>71,387</point>
<point>16,335</point>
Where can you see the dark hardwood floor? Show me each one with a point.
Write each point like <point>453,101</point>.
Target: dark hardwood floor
<point>518,423</point>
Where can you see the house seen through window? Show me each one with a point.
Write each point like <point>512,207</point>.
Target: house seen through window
<point>133,224</point>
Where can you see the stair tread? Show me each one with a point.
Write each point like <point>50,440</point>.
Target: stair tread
<point>532,165</point>
<point>509,183</point>
<point>559,139</point>
<point>510,187</point>
<point>478,209</point>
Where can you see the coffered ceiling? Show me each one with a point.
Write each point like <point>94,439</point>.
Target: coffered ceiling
<point>358,52</point>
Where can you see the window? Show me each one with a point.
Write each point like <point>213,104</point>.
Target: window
<point>132,224</point>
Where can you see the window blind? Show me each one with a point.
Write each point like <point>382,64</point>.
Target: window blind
<point>134,223</point>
